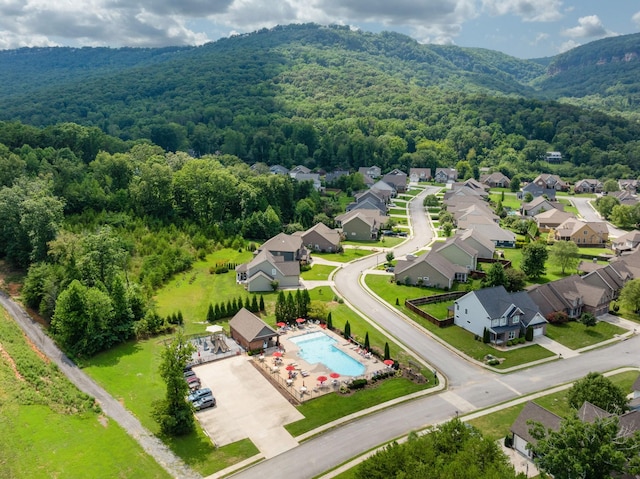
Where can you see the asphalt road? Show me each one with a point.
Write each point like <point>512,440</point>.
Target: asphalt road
<point>471,387</point>
<point>590,214</point>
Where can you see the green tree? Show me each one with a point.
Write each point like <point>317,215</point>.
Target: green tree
<point>588,450</point>
<point>174,414</point>
<point>588,319</point>
<point>610,186</point>
<point>367,346</point>
<point>515,279</point>
<point>622,216</point>
<point>254,304</point>
<point>329,321</point>
<point>565,255</point>
<point>630,295</point>
<point>599,391</point>
<point>261,305</point>
<point>387,353</point>
<point>496,276</point>
<point>605,205</point>
<point>211,316</point>
<point>515,184</point>
<point>389,257</point>
<point>281,316</point>
<point>453,449</point>
<point>347,330</point>
<point>534,256</point>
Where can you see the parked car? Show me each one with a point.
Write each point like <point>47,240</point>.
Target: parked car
<point>199,394</point>
<point>389,233</point>
<point>188,374</point>
<point>192,379</point>
<point>403,234</point>
<point>204,402</point>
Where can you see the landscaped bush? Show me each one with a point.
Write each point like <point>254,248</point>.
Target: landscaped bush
<point>493,362</point>
<point>558,317</point>
<point>358,384</point>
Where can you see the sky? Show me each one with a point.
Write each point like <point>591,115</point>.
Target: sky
<point>522,28</point>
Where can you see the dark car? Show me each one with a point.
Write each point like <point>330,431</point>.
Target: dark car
<point>403,234</point>
<point>199,394</point>
<point>188,374</point>
<point>204,402</point>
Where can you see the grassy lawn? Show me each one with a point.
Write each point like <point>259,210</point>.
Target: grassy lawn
<point>349,254</point>
<point>454,335</point>
<point>400,220</point>
<point>415,190</point>
<point>399,203</point>
<point>595,251</point>
<point>510,201</point>
<point>496,425</point>
<point>129,372</point>
<point>553,273</point>
<point>383,242</point>
<point>398,211</point>
<point>192,291</point>
<point>50,428</point>
<point>318,272</point>
<point>568,206</point>
<point>437,310</point>
<point>333,406</point>
<point>575,335</point>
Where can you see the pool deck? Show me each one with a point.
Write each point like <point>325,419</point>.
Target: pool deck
<point>302,388</point>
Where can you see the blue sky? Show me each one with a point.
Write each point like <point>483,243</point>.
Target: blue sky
<point>522,28</point>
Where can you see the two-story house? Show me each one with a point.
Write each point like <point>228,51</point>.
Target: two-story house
<point>570,295</point>
<point>445,175</point>
<point>496,180</point>
<point>419,174</point>
<point>590,185</point>
<point>370,171</point>
<point>431,269</point>
<point>583,233</point>
<point>396,178</point>
<point>505,315</point>
<point>320,238</point>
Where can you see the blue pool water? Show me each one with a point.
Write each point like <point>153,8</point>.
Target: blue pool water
<point>319,348</point>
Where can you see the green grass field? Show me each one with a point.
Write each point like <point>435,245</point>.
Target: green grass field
<point>129,372</point>
<point>398,211</point>
<point>510,200</point>
<point>575,335</point>
<point>49,428</point>
<point>568,206</point>
<point>383,242</point>
<point>349,254</point>
<point>437,310</point>
<point>318,272</point>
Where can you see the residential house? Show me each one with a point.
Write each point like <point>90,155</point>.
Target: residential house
<point>483,245</point>
<point>334,175</point>
<point>501,238</point>
<point>475,185</point>
<point>625,197</point>
<point>458,190</point>
<point>611,278</point>
<point>445,175</point>
<point>431,269</point>
<point>583,233</point>
<point>496,180</point>
<point>628,185</point>
<point>265,269</point>
<point>521,427</point>
<point>536,190</point>
<point>549,181</point>
<point>419,174</point>
<point>370,199</point>
<point>384,190</point>
<point>299,169</point>
<point>553,157</point>
<point>361,224</point>
<point>570,295</point>
<point>551,219</point>
<point>289,247</point>
<point>539,205</point>
<point>278,170</point>
<point>396,178</point>
<point>320,238</point>
<point>250,332</point>
<point>312,177</point>
<point>370,171</point>
<point>588,186</point>
<point>505,315</point>
<point>458,252</point>
<point>473,213</point>
<point>626,243</point>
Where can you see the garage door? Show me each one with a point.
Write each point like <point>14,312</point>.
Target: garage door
<point>537,332</point>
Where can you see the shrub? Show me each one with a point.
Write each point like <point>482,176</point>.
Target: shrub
<point>486,336</point>
<point>358,384</point>
<point>529,334</point>
<point>508,441</point>
<point>221,269</point>
<point>493,362</point>
<point>521,340</point>
<point>558,317</point>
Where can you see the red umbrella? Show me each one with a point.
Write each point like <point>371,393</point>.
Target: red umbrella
<point>388,362</point>
<point>334,375</point>
<point>290,367</point>
<point>322,378</point>
<point>300,320</point>
<point>281,324</point>
<point>277,354</point>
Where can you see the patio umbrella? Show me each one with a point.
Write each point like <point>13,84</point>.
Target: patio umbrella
<point>277,354</point>
<point>290,367</point>
<point>334,375</point>
<point>300,320</point>
<point>214,328</point>
<point>322,379</point>
<point>281,324</point>
<point>388,362</point>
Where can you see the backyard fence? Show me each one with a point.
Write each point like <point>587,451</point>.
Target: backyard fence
<point>412,305</point>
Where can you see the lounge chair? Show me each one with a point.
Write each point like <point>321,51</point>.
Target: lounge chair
<point>304,374</point>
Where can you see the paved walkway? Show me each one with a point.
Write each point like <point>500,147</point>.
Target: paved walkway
<point>556,347</point>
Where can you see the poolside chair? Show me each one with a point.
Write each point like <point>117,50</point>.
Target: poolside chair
<point>304,374</point>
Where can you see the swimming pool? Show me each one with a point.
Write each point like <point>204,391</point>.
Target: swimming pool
<point>320,348</point>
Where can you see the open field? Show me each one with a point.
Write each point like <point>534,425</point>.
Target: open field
<point>50,429</point>
<point>318,272</point>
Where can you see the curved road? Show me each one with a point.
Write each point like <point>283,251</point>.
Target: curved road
<point>110,406</point>
<point>471,387</point>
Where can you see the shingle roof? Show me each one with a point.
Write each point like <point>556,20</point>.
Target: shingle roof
<point>282,242</point>
<point>250,326</point>
<point>533,412</point>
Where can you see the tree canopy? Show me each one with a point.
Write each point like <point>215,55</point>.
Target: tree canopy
<point>599,391</point>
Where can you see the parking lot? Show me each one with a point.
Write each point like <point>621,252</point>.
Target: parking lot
<point>248,406</point>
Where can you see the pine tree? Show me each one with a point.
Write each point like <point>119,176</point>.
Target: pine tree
<point>261,303</point>
<point>230,308</point>
<point>387,354</point>
<point>347,330</point>
<point>254,304</point>
<point>216,312</point>
<point>329,321</point>
<point>280,308</point>
<point>290,308</point>
<point>306,302</point>
<point>210,314</point>
<point>298,301</point>
<point>239,304</point>
<point>366,341</point>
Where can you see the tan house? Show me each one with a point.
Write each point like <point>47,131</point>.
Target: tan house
<point>625,243</point>
<point>261,273</point>
<point>539,205</point>
<point>583,233</point>
<point>554,182</point>
<point>590,185</point>
<point>570,295</point>
<point>361,225</point>
<point>397,179</point>
<point>431,269</point>
<point>320,238</point>
<point>250,332</point>
<point>551,219</point>
<point>496,180</point>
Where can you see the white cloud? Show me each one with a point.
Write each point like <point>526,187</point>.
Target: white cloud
<point>636,18</point>
<point>528,10</point>
<point>588,27</point>
<point>568,45</point>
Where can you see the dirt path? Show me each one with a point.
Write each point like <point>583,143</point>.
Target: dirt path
<point>111,407</point>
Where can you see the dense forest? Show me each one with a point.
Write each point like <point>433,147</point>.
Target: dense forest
<point>119,168</point>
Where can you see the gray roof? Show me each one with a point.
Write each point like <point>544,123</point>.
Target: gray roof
<point>590,412</point>
<point>250,326</point>
<point>495,300</point>
<point>282,242</point>
<point>467,235</point>
<point>533,412</point>
<point>433,258</point>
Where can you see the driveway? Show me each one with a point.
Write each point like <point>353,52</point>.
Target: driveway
<point>247,406</point>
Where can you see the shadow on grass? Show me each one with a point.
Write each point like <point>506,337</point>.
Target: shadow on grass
<point>113,356</point>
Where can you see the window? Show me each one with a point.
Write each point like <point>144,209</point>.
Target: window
<point>353,233</point>
<point>273,272</point>
<point>503,321</point>
<point>466,311</point>
<point>457,307</point>
<point>516,318</point>
<point>512,334</point>
<point>495,322</point>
